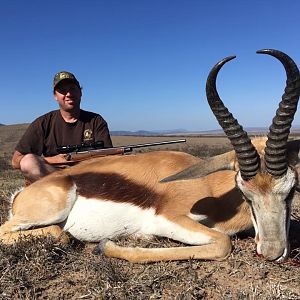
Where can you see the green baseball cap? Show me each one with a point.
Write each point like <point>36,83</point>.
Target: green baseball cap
<point>64,75</point>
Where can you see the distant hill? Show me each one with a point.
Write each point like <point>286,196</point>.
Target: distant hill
<point>9,136</point>
<point>148,132</point>
<point>251,131</point>
<point>18,130</point>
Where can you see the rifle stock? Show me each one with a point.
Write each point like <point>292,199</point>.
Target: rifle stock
<point>79,156</point>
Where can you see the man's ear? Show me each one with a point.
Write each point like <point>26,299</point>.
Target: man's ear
<point>54,95</point>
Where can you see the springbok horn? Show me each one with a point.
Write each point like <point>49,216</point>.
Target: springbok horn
<point>276,146</point>
<point>247,155</point>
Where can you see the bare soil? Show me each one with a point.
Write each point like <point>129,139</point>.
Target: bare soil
<point>41,269</point>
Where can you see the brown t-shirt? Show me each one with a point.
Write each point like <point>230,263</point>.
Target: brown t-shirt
<point>50,131</point>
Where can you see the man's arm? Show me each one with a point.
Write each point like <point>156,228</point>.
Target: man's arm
<point>18,156</point>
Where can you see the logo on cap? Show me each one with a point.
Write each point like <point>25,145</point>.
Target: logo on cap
<point>64,75</point>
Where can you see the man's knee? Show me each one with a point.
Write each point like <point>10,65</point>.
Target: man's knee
<point>30,162</point>
<point>34,167</point>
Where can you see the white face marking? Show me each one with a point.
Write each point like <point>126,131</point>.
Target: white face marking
<point>270,214</point>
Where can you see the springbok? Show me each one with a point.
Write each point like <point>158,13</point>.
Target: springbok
<point>174,194</point>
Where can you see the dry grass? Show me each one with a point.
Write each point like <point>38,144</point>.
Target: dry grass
<point>41,269</point>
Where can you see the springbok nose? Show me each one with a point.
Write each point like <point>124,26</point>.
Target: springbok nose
<point>272,250</point>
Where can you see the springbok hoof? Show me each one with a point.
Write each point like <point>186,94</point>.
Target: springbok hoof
<point>99,249</point>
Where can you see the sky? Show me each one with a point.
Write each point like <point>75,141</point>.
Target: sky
<point>143,64</point>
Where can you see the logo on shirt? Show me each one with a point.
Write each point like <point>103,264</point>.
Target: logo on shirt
<point>88,135</point>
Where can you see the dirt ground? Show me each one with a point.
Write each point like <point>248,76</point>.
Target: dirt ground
<point>41,269</point>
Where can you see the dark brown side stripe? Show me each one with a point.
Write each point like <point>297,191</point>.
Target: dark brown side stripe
<point>115,187</point>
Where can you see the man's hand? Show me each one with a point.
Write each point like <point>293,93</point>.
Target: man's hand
<point>57,159</point>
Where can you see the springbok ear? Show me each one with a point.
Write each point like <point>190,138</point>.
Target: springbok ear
<point>297,169</point>
<point>293,156</point>
<point>293,152</point>
<point>205,167</point>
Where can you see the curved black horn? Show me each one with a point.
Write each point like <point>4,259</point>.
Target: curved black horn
<point>247,155</point>
<point>275,152</point>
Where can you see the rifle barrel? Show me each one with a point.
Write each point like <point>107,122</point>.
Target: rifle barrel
<point>155,144</point>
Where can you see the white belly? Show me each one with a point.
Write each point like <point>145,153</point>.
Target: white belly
<point>93,219</point>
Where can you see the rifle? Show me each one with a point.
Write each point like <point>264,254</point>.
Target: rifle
<point>76,153</point>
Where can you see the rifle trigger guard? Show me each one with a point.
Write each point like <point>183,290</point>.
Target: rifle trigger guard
<point>68,156</point>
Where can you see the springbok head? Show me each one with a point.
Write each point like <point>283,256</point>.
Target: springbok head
<point>265,178</point>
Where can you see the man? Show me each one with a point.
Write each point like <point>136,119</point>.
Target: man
<point>36,153</point>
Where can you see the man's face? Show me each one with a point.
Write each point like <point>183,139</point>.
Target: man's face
<point>68,95</point>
